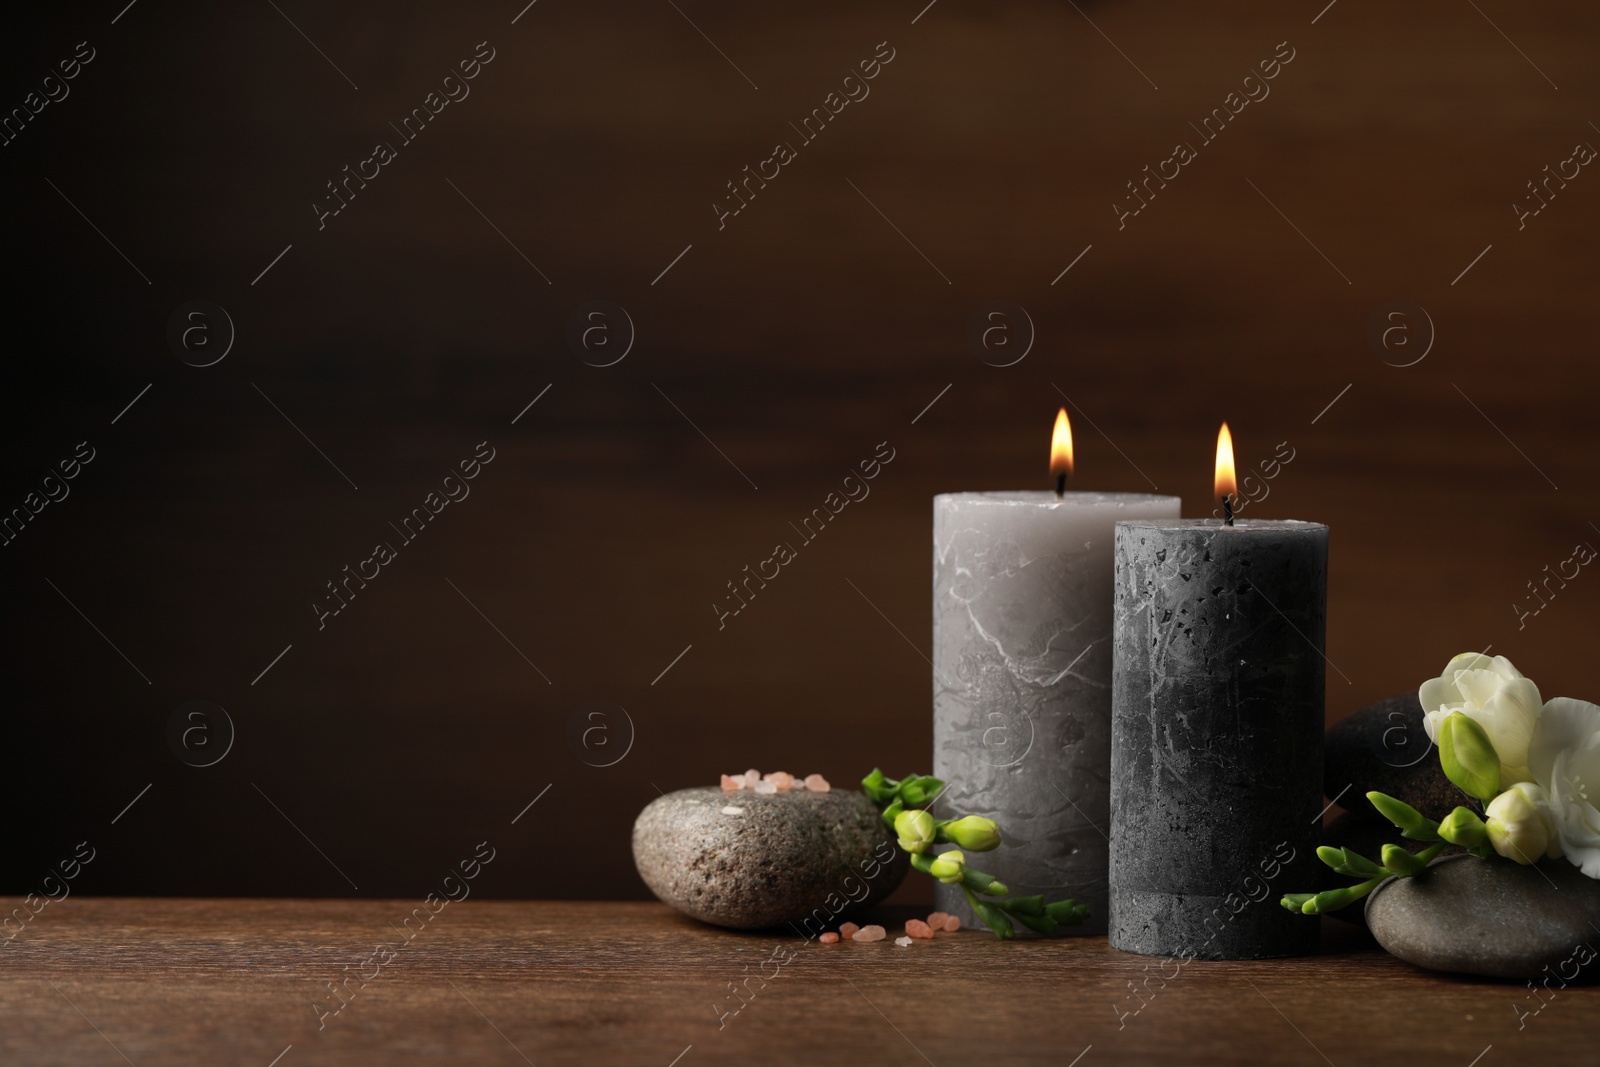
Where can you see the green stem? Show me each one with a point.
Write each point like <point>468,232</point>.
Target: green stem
<point>978,882</point>
<point>992,917</point>
<point>973,881</point>
<point>1334,899</point>
<point>1361,890</point>
<point>1431,853</point>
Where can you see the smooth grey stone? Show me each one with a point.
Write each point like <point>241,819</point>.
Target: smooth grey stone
<point>1366,834</point>
<point>1384,747</point>
<point>1491,917</point>
<point>801,857</point>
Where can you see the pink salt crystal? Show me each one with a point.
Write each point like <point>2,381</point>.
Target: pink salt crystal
<point>869,933</point>
<point>952,923</point>
<point>782,781</point>
<point>829,938</point>
<point>936,920</point>
<point>751,777</point>
<point>732,783</point>
<point>817,784</point>
<point>918,928</point>
<point>848,930</point>
<point>903,942</point>
<point>766,787</point>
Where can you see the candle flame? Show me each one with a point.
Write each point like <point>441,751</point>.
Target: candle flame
<point>1225,483</point>
<point>1061,446</point>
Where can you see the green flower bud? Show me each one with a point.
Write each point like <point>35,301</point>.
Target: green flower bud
<point>1334,899</point>
<point>987,884</point>
<point>992,917</point>
<point>1463,827</point>
<point>1519,824</point>
<point>1401,862</point>
<point>973,833</point>
<point>916,830</point>
<point>979,882</point>
<point>1331,900</point>
<point>1468,758</point>
<point>1412,822</point>
<point>1019,906</point>
<point>919,789</point>
<point>879,788</point>
<point>1067,912</point>
<point>1042,924</point>
<point>1347,862</point>
<point>948,867</point>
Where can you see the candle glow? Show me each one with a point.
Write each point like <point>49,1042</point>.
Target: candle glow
<point>1061,451</point>
<point>1225,484</point>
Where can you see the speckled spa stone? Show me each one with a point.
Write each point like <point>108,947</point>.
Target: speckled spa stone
<point>1022,683</point>
<point>801,857</point>
<point>1216,736</point>
<point>1493,917</point>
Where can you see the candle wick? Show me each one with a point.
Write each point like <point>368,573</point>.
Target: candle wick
<point>1227,509</point>
<point>1061,485</point>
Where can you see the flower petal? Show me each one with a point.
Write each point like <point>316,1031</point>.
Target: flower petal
<point>1442,690</point>
<point>1577,822</point>
<point>1587,861</point>
<point>1509,722</point>
<point>1503,667</point>
<point>1527,694</point>
<point>1432,720</point>
<point>1437,692</point>
<point>1583,765</point>
<point>1467,661</point>
<point>1564,724</point>
<point>1479,686</point>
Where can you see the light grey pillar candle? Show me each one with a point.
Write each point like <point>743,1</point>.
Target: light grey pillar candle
<point>1022,683</point>
<point>1217,721</point>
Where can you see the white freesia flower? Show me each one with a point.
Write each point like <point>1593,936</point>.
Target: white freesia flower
<point>1519,824</point>
<point>1496,696</point>
<point>1565,760</point>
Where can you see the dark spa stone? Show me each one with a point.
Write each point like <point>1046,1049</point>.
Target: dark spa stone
<point>1384,747</point>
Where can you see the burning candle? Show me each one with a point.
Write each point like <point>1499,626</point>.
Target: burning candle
<point>1022,676</point>
<point>1216,734</point>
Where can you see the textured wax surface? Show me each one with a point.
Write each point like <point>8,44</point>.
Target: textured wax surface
<point>1216,762</point>
<point>1022,682</point>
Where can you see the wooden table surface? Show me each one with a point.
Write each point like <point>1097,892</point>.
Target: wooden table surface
<point>174,982</point>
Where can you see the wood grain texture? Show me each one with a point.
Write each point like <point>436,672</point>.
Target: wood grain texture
<point>210,982</point>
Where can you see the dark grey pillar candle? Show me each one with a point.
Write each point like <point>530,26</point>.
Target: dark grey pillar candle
<point>1216,736</point>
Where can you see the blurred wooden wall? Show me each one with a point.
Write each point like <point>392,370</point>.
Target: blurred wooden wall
<point>773,355</point>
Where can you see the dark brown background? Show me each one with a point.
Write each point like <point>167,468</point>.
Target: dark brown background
<point>796,339</point>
